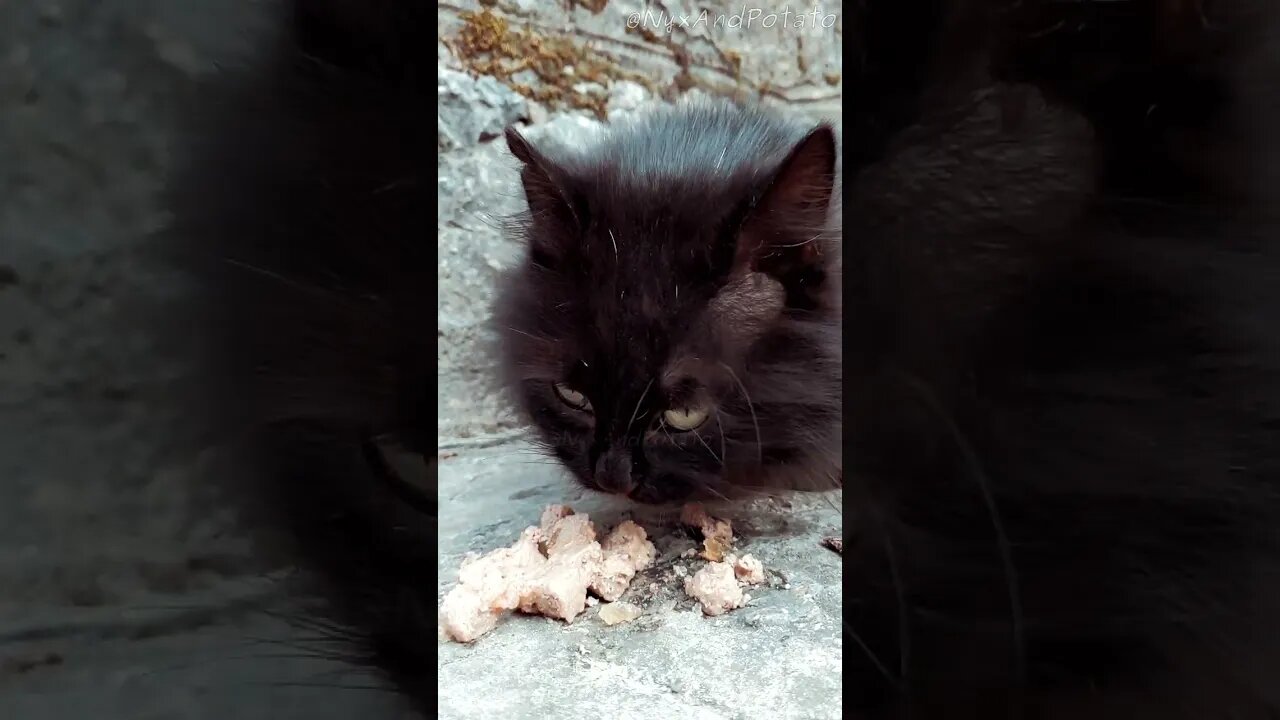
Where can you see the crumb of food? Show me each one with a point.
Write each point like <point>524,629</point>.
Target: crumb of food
<point>717,533</point>
<point>834,543</point>
<point>722,532</point>
<point>465,615</point>
<point>619,612</point>
<point>749,569</point>
<point>569,533</point>
<point>716,588</point>
<point>548,571</point>
<point>627,550</point>
<point>560,591</point>
<point>497,576</point>
<point>713,549</point>
<point>490,584</point>
<point>629,541</point>
<point>694,515</point>
<point>552,513</point>
<point>613,577</point>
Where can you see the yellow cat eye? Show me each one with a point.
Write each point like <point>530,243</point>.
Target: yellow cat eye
<point>685,419</point>
<point>572,398</point>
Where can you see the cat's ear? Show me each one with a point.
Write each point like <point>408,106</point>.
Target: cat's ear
<point>551,202</point>
<point>782,231</point>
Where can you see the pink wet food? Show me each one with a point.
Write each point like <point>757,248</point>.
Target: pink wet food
<point>548,571</point>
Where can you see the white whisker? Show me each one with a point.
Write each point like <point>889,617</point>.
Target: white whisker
<point>636,412</point>
<point>723,450</point>
<point>750,406</point>
<point>708,447</point>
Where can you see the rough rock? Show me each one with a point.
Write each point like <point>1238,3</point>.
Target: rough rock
<point>643,669</point>
<point>473,109</point>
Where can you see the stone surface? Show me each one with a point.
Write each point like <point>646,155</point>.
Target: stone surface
<point>721,46</point>
<point>219,657</point>
<point>778,657</point>
<point>97,506</point>
<point>124,594</point>
<point>473,109</point>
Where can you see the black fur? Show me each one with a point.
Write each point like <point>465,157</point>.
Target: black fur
<point>1063,379</point>
<point>305,214</point>
<point>688,259</point>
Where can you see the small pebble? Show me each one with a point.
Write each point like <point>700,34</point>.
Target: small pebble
<point>748,569</point>
<point>619,612</point>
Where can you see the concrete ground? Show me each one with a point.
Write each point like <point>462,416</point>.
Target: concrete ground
<point>778,657</point>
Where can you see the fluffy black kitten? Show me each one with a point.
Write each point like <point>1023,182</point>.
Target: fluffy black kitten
<point>1062,371</point>
<point>673,331</point>
<point>306,209</point>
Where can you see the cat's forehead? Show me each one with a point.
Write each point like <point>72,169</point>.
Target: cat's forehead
<point>649,331</point>
<point>681,163</point>
<point>708,139</point>
<point>629,323</point>
<point>641,314</point>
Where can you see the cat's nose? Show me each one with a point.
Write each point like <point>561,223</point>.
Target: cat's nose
<point>613,472</point>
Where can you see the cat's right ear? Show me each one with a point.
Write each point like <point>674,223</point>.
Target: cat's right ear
<point>782,233</point>
<point>551,200</point>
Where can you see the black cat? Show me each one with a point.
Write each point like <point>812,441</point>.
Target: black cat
<point>673,331</point>
<point>1062,394</point>
<point>305,213</point>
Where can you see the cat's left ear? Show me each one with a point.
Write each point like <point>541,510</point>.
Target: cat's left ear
<point>552,203</point>
<point>544,187</point>
<point>783,229</point>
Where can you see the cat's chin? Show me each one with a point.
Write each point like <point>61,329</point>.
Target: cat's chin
<point>653,497</point>
<point>648,495</point>
<point>676,496</point>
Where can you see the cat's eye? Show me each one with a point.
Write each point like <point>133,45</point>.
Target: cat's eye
<point>572,398</point>
<point>685,419</point>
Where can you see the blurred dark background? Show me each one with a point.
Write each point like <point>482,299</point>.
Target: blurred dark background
<point>125,592</point>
